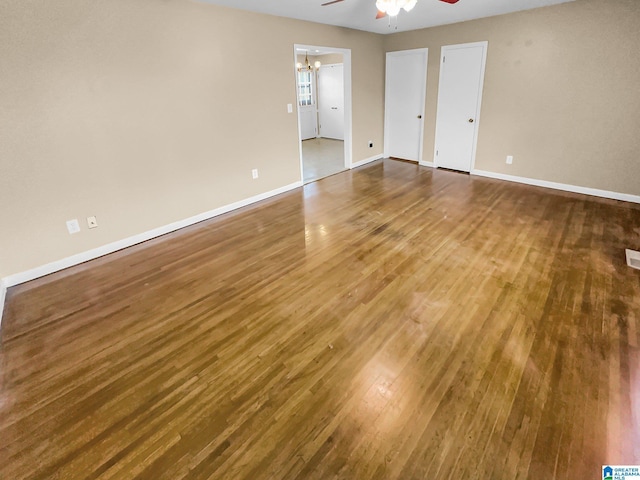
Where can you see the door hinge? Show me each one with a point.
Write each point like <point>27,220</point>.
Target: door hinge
<point>437,152</point>
<point>444,59</point>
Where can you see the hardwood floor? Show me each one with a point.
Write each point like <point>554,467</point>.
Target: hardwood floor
<point>392,322</point>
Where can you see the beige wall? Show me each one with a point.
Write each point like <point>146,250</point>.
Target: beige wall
<point>144,113</point>
<point>328,59</point>
<point>561,92</point>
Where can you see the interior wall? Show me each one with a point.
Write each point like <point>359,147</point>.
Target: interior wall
<point>144,113</point>
<point>327,59</point>
<point>560,93</point>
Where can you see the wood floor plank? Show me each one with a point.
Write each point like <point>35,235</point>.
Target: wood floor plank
<point>391,322</point>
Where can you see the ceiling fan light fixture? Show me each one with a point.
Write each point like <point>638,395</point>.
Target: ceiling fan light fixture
<point>409,4</point>
<point>381,5</point>
<point>393,7</point>
<point>393,10</point>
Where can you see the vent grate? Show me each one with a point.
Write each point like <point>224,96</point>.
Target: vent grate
<point>633,259</point>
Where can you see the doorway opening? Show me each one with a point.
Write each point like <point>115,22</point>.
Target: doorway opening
<point>323,92</point>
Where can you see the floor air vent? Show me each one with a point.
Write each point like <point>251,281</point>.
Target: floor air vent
<point>633,259</point>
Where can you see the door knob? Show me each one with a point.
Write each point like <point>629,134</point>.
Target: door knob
<point>471,120</point>
<point>419,116</point>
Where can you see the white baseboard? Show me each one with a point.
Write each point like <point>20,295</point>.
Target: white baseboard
<point>3,295</point>
<point>422,163</point>
<point>367,160</point>
<point>626,197</point>
<point>52,267</point>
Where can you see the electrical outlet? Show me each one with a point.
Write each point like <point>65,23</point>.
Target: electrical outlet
<point>92,222</point>
<point>510,159</point>
<point>254,173</point>
<point>370,143</point>
<point>73,226</point>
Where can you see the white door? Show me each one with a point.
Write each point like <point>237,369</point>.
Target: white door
<point>405,86</point>
<point>459,100</point>
<point>331,101</point>
<point>307,104</point>
<point>308,121</point>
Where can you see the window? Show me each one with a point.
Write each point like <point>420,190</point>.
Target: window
<point>305,91</point>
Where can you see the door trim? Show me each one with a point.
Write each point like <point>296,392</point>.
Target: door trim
<point>443,50</point>
<point>387,96</point>
<point>348,115</point>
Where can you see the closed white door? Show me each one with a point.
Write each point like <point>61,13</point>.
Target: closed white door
<point>459,100</point>
<point>308,121</point>
<point>331,101</point>
<point>307,104</point>
<point>405,86</point>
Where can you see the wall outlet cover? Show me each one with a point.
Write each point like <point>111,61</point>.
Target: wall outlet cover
<point>633,258</point>
<point>73,226</point>
<point>92,222</point>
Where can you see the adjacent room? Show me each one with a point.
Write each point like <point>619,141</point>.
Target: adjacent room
<point>321,111</point>
<point>297,239</point>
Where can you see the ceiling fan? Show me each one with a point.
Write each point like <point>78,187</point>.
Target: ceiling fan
<point>383,10</point>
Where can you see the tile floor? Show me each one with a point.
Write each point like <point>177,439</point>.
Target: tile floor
<point>321,157</point>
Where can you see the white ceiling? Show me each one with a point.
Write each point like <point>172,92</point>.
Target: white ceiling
<point>360,14</point>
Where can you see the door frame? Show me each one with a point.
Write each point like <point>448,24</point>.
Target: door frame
<point>348,115</point>
<point>387,99</point>
<point>443,51</point>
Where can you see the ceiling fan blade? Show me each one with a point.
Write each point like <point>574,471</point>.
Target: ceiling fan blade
<point>450,1</point>
<point>335,1</point>
<point>380,15</point>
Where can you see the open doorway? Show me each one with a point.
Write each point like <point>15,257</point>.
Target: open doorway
<point>323,90</point>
